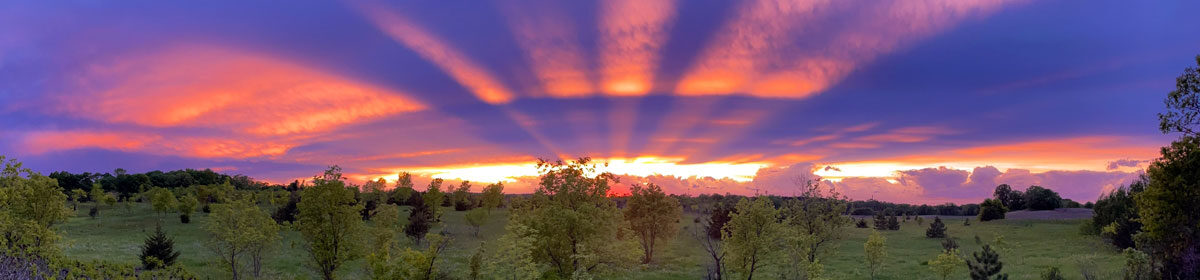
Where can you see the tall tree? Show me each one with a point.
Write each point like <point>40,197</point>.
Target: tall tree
<point>493,196</point>
<point>514,256</point>
<point>1039,198</point>
<point>29,205</point>
<point>402,190</point>
<point>576,227</point>
<point>239,229</point>
<point>475,218</point>
<point>814,221</point>
<point>653,216</point>
<point>433,196</point>
<point>752,234</point>
<point>1169,209</point>
<point>991,209</point>
<point>330,223</point>
<point>1183,104</point>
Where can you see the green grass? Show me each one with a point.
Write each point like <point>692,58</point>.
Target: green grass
<point>1032,246</point>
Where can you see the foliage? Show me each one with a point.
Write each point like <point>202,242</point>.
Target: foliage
<point>1039,198</point>
<point>1183,104</point>
<point>513,259</point>
<point>493,196</point>
<point>240,229</point>
<point>1009,198</point>
<point>945,264</point>
<point>187,204</point>
<point>420,220</point>
<point>812,222</point>
<point>1117,212</point>
<point>1169,209</point>
<point>29,206</point>
<point>986,265</point>
<point>653,216</point>
<point>433,196</point>
<point>330,223</point>
<point>163,200</point>
<point>937,229</point>
<point>576,227</point>
<point>1137,265</point>
<point>862,223</point>
<point>461,197</point>
<point>400,193</point>
<point>991,209</point>
<point>411,264</point>
<point>158,250</point>
<point>703,231</point>
<point>875,249</point>
<point>1052,273</point>
<point>720,215</point>
<point>475,218</point>
<point>289,210</point>
<point>751,235</point>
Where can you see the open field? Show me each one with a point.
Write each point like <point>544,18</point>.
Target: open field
<point>1032,245</point>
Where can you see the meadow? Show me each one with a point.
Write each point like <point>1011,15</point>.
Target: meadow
<point>1028,247</point>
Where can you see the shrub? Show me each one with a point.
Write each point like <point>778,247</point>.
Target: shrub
<point>986,264</point>
<point>991,209</point>
<point>967,221</point>
<point>1117,210</point>
<point>937,229</point>
<point>875,250</point>
<point>206,208</point>
<point>1052,273</point>
<point>893,223</point>
<point>1137,265</point>
<point>949,245</point>
<point>185,218</point>
<point>158,250</point>
<point>862,223</point>
<point>945,264</point>
<point>95,211</point>
<point>287,212</point>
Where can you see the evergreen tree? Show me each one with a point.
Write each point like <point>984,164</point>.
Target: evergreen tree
<point>420,220</point>
<point>986,264</point>
<point>862,223</point>
<point>881,222</point>
<point>893,223</point>
<point>937,229</point>
<point>158,250</point>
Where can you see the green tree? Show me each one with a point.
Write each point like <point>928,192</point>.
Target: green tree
<point>411,264</point>
<point>188,204</point>
<point>1116,211</point>
<point>330,223</point>
<point>752,234</point>
<point>1169,209</point>
<point>514,258</point>
<point>420,221</point>
<point>1183,104</point>
<point>577,228</point>
<point>991,209</point>
<point>29,205</point>
<point>875,251</point>
<point>937,229</point>
<point>1137,265</point>
<point>76,197</point>
<point>946,263</point>
<point>158,250</point>
<point>434,196</point>
<point>162,200</point>
<point>493,196</point>
<point>1039,198</point>
<point>240,229</point>
<point>653,216</point>
<point>813,221</point>
<point>402,190</point>
<point>475,218</point>
<point>986,265</point>
<point>461,197</point>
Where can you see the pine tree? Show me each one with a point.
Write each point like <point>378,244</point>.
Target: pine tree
<point>420,220</point>
<point>937,229</point>
<point>881,222</point>
<point>862,223</point>
<point>893,222</point>
<point>986,264</point>
<point>158,250</point>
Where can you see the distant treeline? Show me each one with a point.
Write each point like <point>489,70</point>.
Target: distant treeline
<point>128,184</point>
<point>704,202</point>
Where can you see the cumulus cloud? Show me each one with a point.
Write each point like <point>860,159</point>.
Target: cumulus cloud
<point>1117,164</point>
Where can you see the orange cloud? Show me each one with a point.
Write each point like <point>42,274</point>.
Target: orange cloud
<point>552,48</point>
<point>445,56</point>
<point>201,147</point>
<point>223,88</point>
<point>632,33</point>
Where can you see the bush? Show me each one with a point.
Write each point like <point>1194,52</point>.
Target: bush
<point>1137,265</point>
<point>937,229</point>
<point>949,245</point>
<point>991,209</point>
<point>158,250</point>
<point>985,264</point>
<point>95,211</point>
<point>287,212</point>
<point>1117,211</point>
<point>967,221</point>
<point>862,223</point>
<point>206,208</point>
<point>1052,273</point>
<point>185,218</point>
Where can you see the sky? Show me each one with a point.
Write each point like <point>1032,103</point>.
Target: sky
<point>921,101</point>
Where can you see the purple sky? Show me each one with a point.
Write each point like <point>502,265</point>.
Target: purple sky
<point>916,101</point>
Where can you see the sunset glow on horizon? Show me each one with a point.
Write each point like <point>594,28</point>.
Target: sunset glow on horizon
<point>881,100</point>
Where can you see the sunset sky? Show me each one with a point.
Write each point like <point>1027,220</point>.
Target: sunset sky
<point>923,101</point>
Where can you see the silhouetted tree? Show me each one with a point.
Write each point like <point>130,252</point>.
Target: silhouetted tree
<point>986,264</point>
<point>937,229</point>
<point>158,250</point>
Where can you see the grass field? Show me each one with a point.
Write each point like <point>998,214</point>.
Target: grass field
<point>1032,245</point>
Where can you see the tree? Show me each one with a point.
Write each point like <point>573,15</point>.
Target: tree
<point>946,263</point>
<point>76,197</point>
<point>1115,215</point>
<point>576,227</point>
<point>881,222</point>
<point>1039,198</point>
<point>720,215</point>
<point>1052,273</point>
<point>162,200</point>
<point>986,264</point>
<point>461,197</point>
<point>403,189</point>
<point>420,220</point>
<point>991,209</point>
<point>29,205</point>
<point>411,264</point>
<point>937,229</point>
<point>653,216</point>
<point>493,196</point>
<point>240,229</point>
<point>330,223</point>
<point>752,233</point>
<point>1009,198</point>
<point>1183,104</point>
<point>158,250</point>
<point>816,217</point>
<point>1169,209</point>
<point>187,205</point>
<point>703,232</point>
<point>433,196</point>
<point>875,251</point>
<point>514,258</point>
<point>289,210</point>
<point>475,218</point>
<point>1137,265</point>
